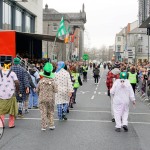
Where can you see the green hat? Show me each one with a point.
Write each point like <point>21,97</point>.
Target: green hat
<point>123,75</point>
<point>48,68</point>
<point>16,61</point>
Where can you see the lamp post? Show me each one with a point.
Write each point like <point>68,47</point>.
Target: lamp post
<point>148,32</point>
<point>47,34</point>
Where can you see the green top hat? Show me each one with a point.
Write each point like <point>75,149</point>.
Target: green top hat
<point>48,68</point>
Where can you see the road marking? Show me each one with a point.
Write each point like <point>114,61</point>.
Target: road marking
<point>94,92</point>
<point>78,120</point>
<point>92,97</point>
<point>95,111</point>
<point>96,89</point>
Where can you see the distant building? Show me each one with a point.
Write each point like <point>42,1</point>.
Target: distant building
<point>76,21</point>
<point>144,13</point>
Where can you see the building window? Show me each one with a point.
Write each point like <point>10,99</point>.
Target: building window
<point>55,26</point>
<point>118,48</point>
<point>18,24</point>
<point>6,16</point>
<point>140,49</point>
<point>119,39</point>
<point>28,24</point>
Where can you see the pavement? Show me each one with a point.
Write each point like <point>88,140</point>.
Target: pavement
<point>89,125</point>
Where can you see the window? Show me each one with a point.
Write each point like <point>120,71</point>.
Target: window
<point>140,49</point>
<point>6,16</point>
<point>118,48</point>
<point>28,24</point>
<point>18,24</point>
<point>55,26</point>
<point>119,39</point>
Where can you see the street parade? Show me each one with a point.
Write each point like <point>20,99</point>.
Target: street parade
<point>74,75</point>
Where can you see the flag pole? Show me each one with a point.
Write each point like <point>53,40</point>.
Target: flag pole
<point>53,48</point>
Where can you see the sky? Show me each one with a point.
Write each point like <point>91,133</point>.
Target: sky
<point>105,18</point>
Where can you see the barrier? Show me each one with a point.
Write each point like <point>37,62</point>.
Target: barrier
<point>141,91</point>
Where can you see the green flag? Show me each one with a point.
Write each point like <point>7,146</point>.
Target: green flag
<point>61,33</point>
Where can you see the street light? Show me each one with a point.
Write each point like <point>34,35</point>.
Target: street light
<point>47,34</point>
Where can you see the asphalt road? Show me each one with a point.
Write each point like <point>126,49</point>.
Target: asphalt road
<point>89,126</point>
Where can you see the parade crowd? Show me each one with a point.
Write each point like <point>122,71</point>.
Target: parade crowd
<point>44,85</point>
<point>39,86</point>
<point>123,79</point>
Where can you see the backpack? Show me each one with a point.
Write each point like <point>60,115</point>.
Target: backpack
<point>6,84</point>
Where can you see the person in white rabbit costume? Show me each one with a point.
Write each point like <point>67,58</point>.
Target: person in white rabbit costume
<point>122,93</point>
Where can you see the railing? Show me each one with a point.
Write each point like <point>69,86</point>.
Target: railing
<point>142,91</point>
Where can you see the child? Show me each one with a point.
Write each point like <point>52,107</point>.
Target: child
<point>46,89</point>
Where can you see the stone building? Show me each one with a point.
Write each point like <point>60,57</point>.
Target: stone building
<point>62,51</point>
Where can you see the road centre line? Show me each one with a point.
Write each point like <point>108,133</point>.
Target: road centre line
<point>95,111</point>
<point>92,97</point>
<point>78,120</point>
<point>94,92</point>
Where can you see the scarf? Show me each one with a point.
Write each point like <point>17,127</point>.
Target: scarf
<point>61,65</point>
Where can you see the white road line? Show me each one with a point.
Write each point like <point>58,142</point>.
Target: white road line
<point>92,97</point>
<point>99,92</point>
<point>78,120</point>
<point>95,111</point>
<point>96,89</point>
<point>94,92</point>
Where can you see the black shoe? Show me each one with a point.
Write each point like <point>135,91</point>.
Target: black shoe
<point>113,120</point>
<point>67,110</point>
<point>12,127</point>
<point>64,117</point>
<point>118,130</point>
<point>35,107</point>
<point>71,106</point>
<point>125,128</point>
<point>74,102</point>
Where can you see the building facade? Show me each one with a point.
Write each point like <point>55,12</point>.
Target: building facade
<point>144,13</point>
<point>21,16</point>
<point>60,51</point>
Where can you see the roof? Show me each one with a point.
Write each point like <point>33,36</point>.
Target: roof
<point>138,31</point>
<point>50,11</point>
<point>55,17</point>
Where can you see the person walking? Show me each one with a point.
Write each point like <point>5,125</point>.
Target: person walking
<point>46,90</point>
<point>33,96</point>
<point>85,69</point>
<point>96,75</point>
<point>65,90</point>
<point>111,77</point>
<point>24,85</point>
<point>122,95</point>
<point>76,82</point>
<point>9,85</point>
<point>133,78</point>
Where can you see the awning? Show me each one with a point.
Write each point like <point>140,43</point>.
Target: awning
<point>43,37</point>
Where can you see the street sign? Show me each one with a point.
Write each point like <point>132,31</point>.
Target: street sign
<point>85,57</point>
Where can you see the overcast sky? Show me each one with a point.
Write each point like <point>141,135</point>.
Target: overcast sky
<point>105,18</point>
